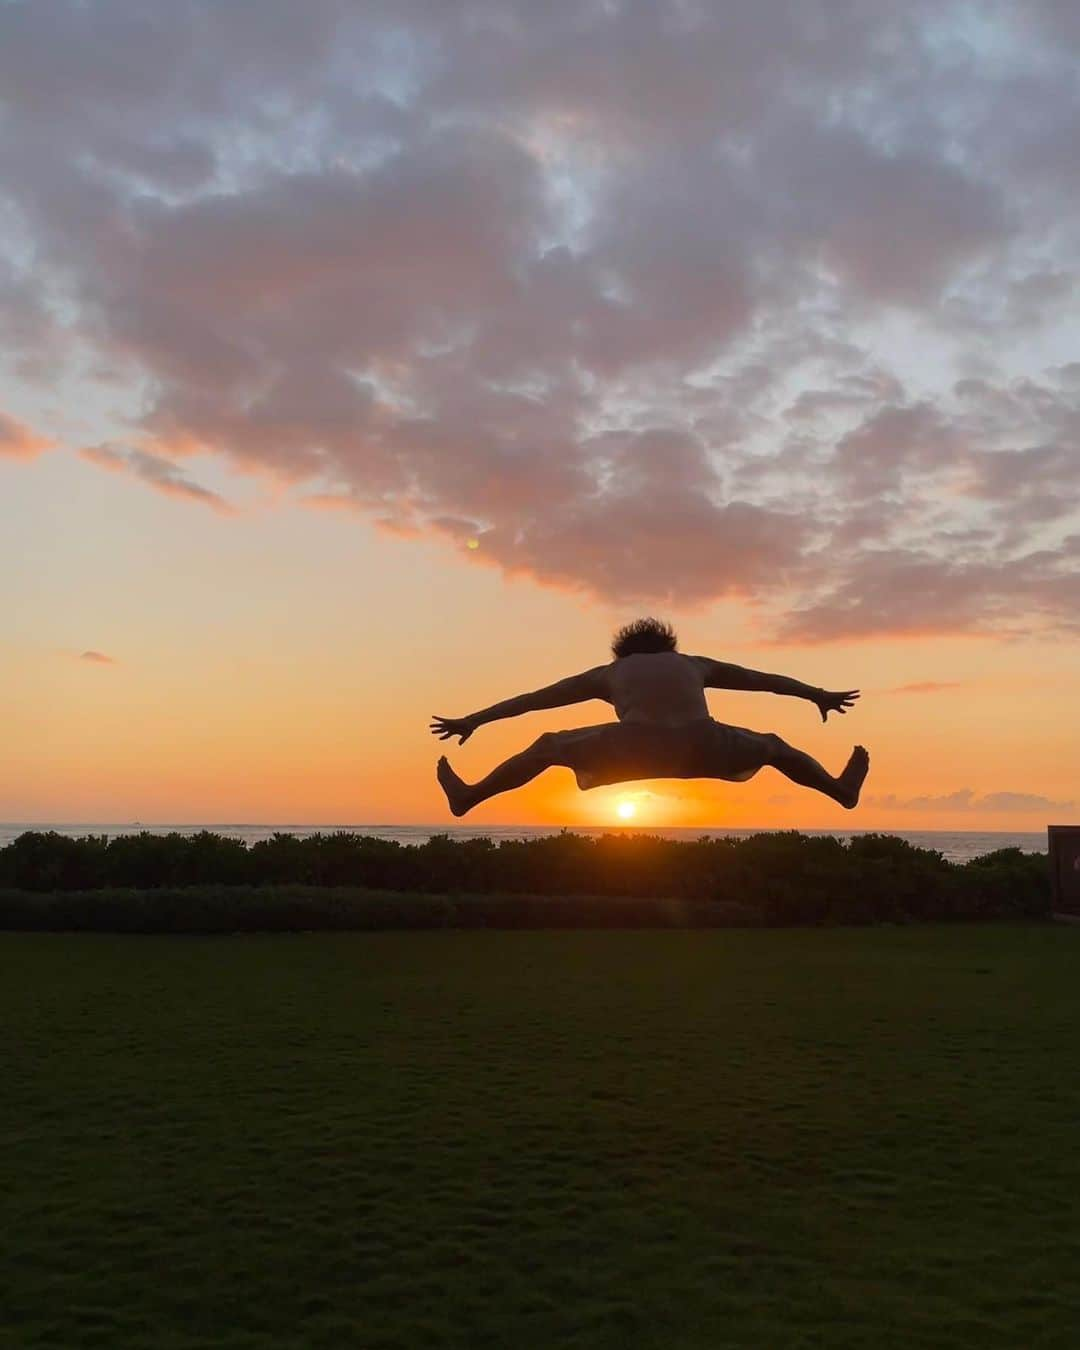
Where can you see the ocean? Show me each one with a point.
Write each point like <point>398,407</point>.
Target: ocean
<point>955,845</point>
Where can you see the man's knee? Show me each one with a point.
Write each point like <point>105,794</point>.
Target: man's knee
<point>777,748</point>
<point>547,747</point>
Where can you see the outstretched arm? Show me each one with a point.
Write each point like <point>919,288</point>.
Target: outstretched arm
<point>575,689</point>
<point>723,675</point>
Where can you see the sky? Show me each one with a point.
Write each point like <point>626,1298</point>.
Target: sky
<point>363,362</point>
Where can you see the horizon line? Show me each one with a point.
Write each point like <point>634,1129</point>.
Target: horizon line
<point>517,825</point>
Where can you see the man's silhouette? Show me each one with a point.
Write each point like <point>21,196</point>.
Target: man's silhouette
<point>664,728</point>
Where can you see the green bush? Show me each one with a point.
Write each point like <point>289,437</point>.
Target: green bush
<point>208,883</point>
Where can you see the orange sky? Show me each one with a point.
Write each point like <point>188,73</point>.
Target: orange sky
<point>380,362</point>
<point>281,666</point>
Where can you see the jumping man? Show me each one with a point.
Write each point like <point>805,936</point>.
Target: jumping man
<point>664,728</point>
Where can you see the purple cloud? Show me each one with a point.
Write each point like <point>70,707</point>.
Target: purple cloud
<point>159,473</point>
<point>927,687</point>
<point>966,800</point>
<point>649,303</point>
<point>901,593</point>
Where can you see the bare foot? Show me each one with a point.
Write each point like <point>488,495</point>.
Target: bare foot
<point>456,789</point>
<point>851,779</point>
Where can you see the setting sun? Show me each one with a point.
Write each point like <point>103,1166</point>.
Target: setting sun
<point>626,810</point>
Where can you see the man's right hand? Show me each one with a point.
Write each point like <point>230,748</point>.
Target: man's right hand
<point>446,727</point>
<point>834,702</point>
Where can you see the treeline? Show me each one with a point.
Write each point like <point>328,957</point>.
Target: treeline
<point>208,882</point>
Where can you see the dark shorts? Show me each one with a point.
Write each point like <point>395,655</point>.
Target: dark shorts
<point>618,752</point>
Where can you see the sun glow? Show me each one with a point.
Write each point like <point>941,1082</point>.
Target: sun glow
<point>626,810</point>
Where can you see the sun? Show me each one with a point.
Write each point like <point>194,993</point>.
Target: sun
<point>626,810</point>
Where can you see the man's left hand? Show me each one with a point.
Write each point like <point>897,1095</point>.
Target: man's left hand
<point>445,727</point>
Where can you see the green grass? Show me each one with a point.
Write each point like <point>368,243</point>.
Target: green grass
<point>828,1138</point>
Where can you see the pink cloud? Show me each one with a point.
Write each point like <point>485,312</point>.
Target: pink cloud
<point>606,289</point>
<point>97,658</point>
<point>18,441</point>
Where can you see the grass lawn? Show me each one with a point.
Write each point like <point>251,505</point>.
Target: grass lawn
<point>833,1138</point>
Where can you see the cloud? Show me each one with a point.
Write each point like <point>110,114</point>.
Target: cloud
<point>30,336</point>
<point>966,800</point>
<point>18,440</point>
<point>893,441</point>
<point>98,658</point>
<point>927,687</point>
<point>658,304</point>
<point>908,593</point>
<point>159,473</point>
<point>1021,801</point>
